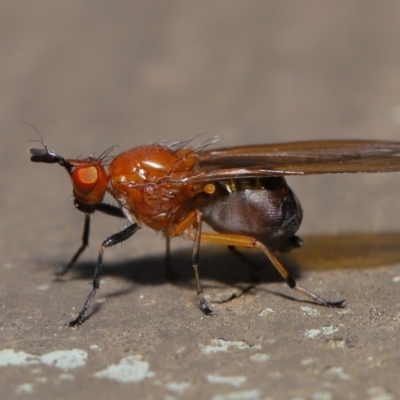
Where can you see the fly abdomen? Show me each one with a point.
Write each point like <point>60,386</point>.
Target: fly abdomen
<point>265,209</point>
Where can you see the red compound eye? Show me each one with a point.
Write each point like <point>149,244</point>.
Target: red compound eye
<point>90,183</point>
<point>85,179</point>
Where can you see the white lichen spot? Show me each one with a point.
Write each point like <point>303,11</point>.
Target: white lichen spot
<point>337,344</point>
<point>36,371</point>
<point>94,347</point>
<point>329,330</point>
<point>24,388</point>
<point>396,279</point>
<point>169,397</point>
<point>42,287</point>
<point>66,377</point>
<point>10,357</point>
<point>322,396</point>
<point>178,387</point>
<point>235,381</point>
<point>307,361</point>
<point>311,312</point>
<point>65,359</point>
<point>218,345</point>
<point>379,393</point>
<point>266,312</point>
<point>260,357</point>
<point>338,371</point>
<point>312,333</point>
<point>325,330</point>
<point>223,295</point>
<point>129,369</point>
<point>241,395</point>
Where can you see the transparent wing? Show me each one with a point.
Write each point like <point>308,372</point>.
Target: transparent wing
<point>298,153</point>
<point>296,158</point>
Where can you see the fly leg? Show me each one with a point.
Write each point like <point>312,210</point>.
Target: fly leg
<point>207,310</point>
<point>191,227</point>
<point>85,243</point>
<point>292,283</point>
<point>88,210</point>
<point>245,241</point>
<point>109,209</point>
<point>111,241</point>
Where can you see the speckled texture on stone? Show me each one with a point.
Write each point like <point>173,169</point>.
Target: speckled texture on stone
<point>91,75</point>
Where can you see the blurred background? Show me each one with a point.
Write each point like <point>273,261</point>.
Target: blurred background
<point>131,72</point>
<point>93,74</point>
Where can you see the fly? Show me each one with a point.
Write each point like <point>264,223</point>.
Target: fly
<point>240,192</point>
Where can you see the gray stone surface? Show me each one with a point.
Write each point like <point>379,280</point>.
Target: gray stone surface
<point>94,74</point>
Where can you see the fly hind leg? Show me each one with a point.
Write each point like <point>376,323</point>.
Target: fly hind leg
<point>245,241</point>
<point>292,283</point>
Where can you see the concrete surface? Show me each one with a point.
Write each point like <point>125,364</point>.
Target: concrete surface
<point>93,74</point>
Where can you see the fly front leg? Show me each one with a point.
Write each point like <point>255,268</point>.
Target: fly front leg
<point>88,210</point>
<point>245,241</point>
<point>85,243</point>
<point>111,241</point>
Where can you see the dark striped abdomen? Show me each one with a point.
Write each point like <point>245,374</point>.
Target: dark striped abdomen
<point>265,209</point>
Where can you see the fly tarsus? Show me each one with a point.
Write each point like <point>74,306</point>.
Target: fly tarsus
<point>318,299</point>
<point>205,308</point>
<point>338,304</point>
<point>81,317</point>
<point>111,241</point>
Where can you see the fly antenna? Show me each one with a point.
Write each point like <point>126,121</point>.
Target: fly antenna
<point>46,155</point>
<point>41,141</point>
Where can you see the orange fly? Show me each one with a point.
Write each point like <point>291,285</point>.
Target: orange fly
<point>240,192</point>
